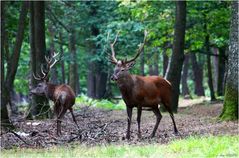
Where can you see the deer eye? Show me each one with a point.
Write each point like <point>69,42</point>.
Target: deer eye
<point>122,70</point>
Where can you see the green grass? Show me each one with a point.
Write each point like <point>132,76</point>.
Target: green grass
<point>103,103</point>
<point>213,146</point>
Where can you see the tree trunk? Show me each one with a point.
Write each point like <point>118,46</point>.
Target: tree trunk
<point>54,78</point>
<point>151,70</point>
<point>230,106</point>
<point>156,66</point>
<point>39,106</point>
<point>13,63</point>
<point>197,76</point>
<point>221,72</point>
<point>165,62</point>
<point>100,82</point>
<point>73,72</point>
<point>92,65</point>
<point>142,63</point>
<point>5,122</point>
<point>62,60</point>
<point>175,68</point>
<point>209,68</point>
<point>214,67</point>
<point>185,90</point>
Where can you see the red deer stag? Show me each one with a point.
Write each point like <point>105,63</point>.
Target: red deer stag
<point>62,95</point>
<point>139,91</point>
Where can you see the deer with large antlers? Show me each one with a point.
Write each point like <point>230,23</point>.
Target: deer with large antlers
<point>139,91</point>
<point>62,95</point>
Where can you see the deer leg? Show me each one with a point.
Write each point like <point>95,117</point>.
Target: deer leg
<point>167,107</point>
<point>139,112</point>
<point>129,113</point>
<point>158,118</point>
<point>59,117</point>
<point>74,119</point>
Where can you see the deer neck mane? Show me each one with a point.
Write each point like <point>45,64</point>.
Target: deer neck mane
<point>50,91</point>
<point>126,82</point>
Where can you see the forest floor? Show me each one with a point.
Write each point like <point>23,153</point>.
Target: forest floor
<point>102,127</point>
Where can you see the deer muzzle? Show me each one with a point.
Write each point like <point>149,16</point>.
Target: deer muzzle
<point>114,78</point>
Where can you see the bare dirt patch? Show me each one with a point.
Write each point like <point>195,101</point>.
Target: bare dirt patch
<point>100,126</point>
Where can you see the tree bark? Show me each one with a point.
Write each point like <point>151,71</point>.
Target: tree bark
<point>221,72</point>
<point>165,62</point>
<point>185,89</point>
<point>230,105</point>
<point>39,106</point>
<point>74,77</point>
<point>156,66</point>
<point>62,60</point>
<point>197,76</point>
<point>175,68</point>
<point>54,77</point>
<point>142,63</point>
<point>5,122</point>
<point>209,69</point>
<point>13,63</point>
<point>100,82</point>
<point>215,68</point>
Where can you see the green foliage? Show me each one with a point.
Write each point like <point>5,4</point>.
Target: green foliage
<point>131,18</point>
<point>212,146</point>
<point>103,103</point>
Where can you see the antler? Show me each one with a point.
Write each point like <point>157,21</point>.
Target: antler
<point>112,57</point>
<point>140,48</point>
<point>50,64</point>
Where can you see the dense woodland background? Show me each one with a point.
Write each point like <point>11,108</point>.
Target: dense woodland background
<point>188,43</point>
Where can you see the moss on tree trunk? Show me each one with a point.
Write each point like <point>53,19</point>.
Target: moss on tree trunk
<point>230,109</point>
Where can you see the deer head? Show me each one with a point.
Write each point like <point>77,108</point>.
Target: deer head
<point>41,88</point>
<point>122,66</point>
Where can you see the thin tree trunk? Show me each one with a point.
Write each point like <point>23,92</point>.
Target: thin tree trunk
<point>142,63</point>
<point>230,105</point>
<point>39,106</point>
<point>175,68</point>
<point>91,81</point>
<point>74,77</point>
<point>197,76</point>
<point>100,82</point>
<point>13,62</point>
<point>54,78</point>
<point>185,89</point>
<point>4,112</point>
<point>215,68</point>
<point>221,72</point>
<point>209,69</point>
<point>92,65</point>
<point>62,60</point>
<point>165,62</point>
<point>156,66</point>
<point>151,70</point>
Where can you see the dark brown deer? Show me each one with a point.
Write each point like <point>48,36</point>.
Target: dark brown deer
<point>139,91</point>
<point>62,95</point>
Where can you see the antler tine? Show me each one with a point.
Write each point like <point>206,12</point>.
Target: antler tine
<point>55,60</point>
<point>113,58</point>
<point>55,54</point>
<point>48,59</point>
<point>42,71</point>
<point>140,48</point>
<point>36,78</point>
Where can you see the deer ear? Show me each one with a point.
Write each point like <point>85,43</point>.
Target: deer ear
<point>130,65</point>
